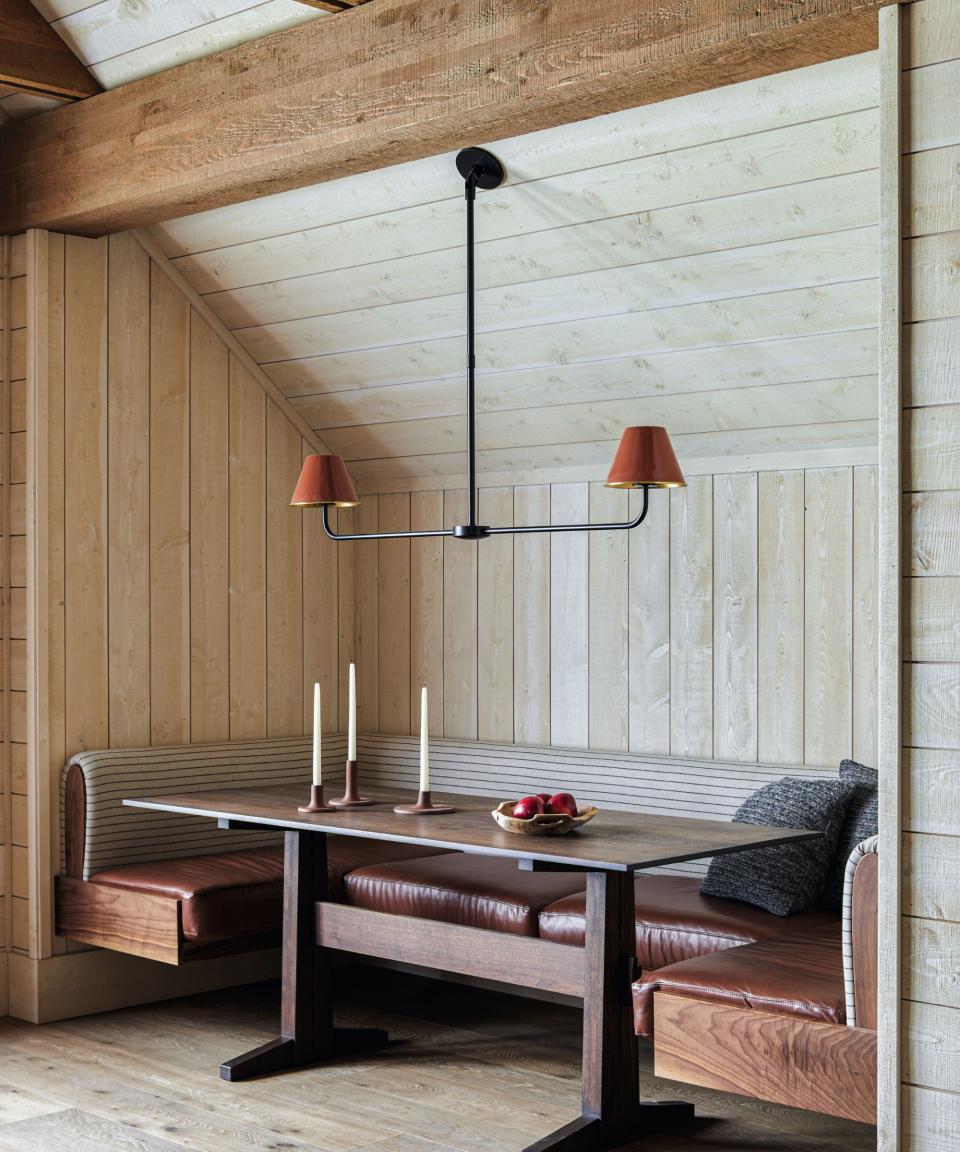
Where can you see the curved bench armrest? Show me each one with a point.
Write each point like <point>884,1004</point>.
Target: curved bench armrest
<point>860,935</point>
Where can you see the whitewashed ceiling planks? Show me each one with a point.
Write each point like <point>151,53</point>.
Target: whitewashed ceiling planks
<point>123,40</point>
<point>709,263</point>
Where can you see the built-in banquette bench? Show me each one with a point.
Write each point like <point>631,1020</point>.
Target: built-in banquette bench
<point>733,997</point>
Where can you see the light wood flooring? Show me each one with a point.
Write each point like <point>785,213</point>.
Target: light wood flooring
<point>469,1071</point>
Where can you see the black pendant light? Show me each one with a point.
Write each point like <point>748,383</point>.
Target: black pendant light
<point>644,459</point>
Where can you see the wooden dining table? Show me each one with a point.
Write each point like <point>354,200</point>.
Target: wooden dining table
<point>608,851</point>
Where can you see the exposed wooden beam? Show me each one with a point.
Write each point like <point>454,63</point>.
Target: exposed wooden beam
<point>33,58</point>
<point>391,81</point>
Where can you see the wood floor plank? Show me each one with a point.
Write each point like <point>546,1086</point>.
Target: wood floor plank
<point>467,1070</point>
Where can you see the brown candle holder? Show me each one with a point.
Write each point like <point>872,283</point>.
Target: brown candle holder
<point>317,802</point>
<point>351,797</point>
<point>423,807</point>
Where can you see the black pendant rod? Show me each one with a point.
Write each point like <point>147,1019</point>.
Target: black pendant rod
<point>479,169</point>
<point>470,194</point>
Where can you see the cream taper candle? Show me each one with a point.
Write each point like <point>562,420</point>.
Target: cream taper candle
<point>352,715</point>
<point>317,758</point>
<point>424,742</point>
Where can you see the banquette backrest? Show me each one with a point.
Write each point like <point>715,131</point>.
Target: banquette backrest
<point>99,832</point>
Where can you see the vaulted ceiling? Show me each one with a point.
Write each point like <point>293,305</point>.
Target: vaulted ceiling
<point>708,263</point>
<point>122,40</point>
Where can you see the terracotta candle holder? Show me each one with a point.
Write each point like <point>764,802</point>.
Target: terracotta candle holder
<point>423,807</point>
<point>351,797</point>
<point>317,802</point>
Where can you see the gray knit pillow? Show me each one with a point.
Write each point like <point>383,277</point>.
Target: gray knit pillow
<point>860,823</point>
<point>785,878</point>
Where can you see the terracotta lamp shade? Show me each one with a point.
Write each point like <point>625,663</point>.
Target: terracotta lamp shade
<point>324,480</point>
<point>645,456</point>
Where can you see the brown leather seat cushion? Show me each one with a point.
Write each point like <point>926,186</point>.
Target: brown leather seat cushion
<point>478,891</point>
<point>798,975</point>
<point>674,922</point>
<point>233,894</point>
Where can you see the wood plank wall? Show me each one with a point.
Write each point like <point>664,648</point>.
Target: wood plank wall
<point>738,623</point>
<point>13,815</point>
<point>930,89</point>
<point>178,597</point>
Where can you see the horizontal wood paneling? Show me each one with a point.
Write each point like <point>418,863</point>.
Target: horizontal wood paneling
<point>684,637</point>
<point>930,1023</point>
<point>714,272</point>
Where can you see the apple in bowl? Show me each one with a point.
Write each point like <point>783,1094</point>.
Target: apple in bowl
<point>537,816</point>
<point>529,806</point>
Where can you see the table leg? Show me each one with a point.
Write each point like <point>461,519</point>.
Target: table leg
<point>307,1034</point>
<point>611,1110</point>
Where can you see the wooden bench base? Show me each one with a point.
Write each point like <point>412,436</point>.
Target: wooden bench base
<point>788,1060</point>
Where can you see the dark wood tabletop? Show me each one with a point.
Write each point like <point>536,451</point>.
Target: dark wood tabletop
<point>612,841</point>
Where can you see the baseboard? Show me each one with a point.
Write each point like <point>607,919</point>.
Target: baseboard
<point>81,983</point>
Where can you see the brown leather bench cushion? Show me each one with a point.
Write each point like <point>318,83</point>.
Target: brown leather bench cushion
<point>799,975</point>
<point>477,891</point>
<point>239,894</point>
<point>674,922</point>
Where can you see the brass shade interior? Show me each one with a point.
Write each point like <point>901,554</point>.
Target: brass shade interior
<point>645,457</point>
<point>324,480</point>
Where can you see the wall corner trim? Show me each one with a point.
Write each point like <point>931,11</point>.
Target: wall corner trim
<point>226,337</point>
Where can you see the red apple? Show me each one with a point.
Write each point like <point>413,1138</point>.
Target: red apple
<point>562,803</point>
<point>545,796</point>
<point>528,807</point>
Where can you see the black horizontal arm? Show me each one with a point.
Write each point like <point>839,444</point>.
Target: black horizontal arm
<point>480,531</point>
<point>377,535</point>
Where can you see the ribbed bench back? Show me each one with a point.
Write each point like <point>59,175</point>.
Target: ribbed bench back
<point>671,786</point>
<point>116,835</point>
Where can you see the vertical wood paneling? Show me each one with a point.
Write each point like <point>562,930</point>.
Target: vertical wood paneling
<point>45,584</point>
<point>735,616</point>
<point>459,624</point>
<point>85,492</point>
<point>169,513</point>
<point>367,616</point>
<point>284,578</point>
<point>426,609</point>
<point>247,524</point>
<point>691,618</point>
<point>128,551</point>
<point>209,536</point>
<point>569,618</point>
<point>531,617</point>
<point>828,615</point>
<point>780,617</point>
<point>866,622</point>
<point>393,659</point>
<point>609,611</point>
<point>649,640</point>
<point>495,580</point>
<point>600,661</point>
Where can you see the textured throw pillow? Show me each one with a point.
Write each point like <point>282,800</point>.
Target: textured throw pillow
<point>859,824</point>
<point>785,878</point>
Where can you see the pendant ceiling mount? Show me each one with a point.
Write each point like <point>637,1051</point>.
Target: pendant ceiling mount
<point>644,459</point>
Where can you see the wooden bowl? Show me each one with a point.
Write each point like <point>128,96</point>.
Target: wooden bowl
<point>545,824</point>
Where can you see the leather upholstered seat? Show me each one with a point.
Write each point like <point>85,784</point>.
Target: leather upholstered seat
<point>674,922</point>
<point>477,891</point>
<point>240,894</point>
<point>796,975</point>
